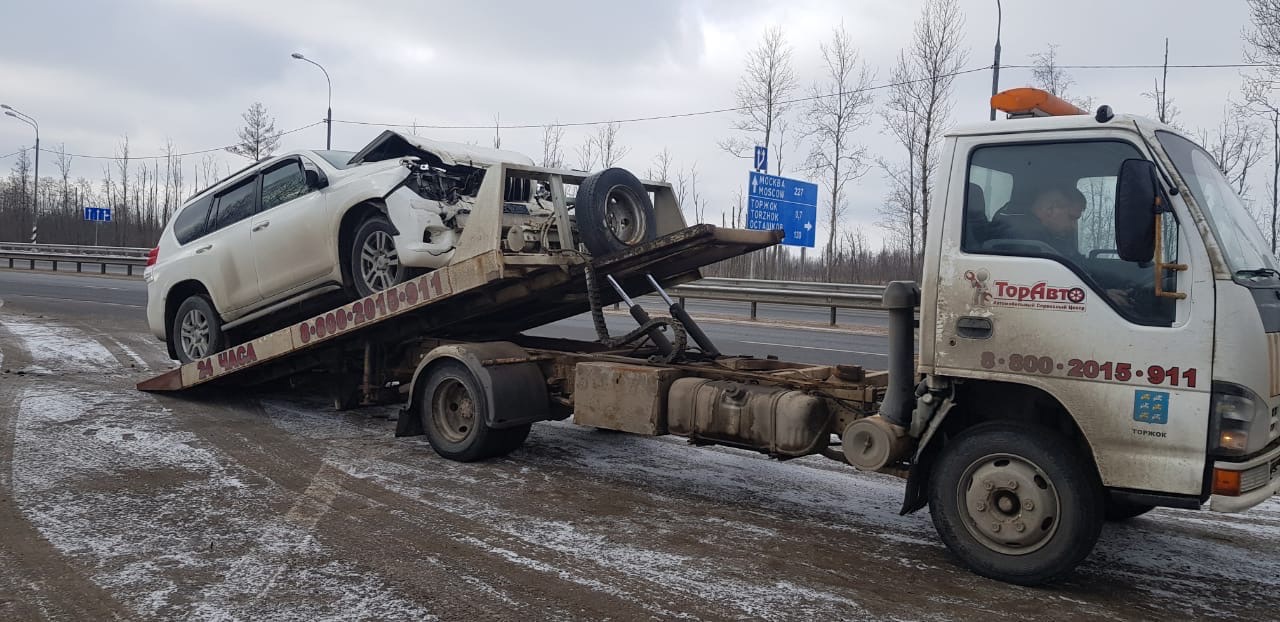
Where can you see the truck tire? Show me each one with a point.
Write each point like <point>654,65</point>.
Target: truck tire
<point>374,261</point>
<point>1015,503</point>
<point>454,411</point>
<point>197,329</point>
<point>614,212</point>
<point>1119,511</point>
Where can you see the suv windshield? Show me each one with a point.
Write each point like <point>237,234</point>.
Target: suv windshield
<point>1243,246</point>
<point>339,159</point>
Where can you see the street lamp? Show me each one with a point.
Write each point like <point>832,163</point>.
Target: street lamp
<point>995,67</point>
<point>328,120</point>
<point>12,112</point>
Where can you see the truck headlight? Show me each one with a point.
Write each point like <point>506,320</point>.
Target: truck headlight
<point>1239,421</point>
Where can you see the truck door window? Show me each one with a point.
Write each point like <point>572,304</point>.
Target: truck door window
<point>283,183</point>
<point>1057,201</point>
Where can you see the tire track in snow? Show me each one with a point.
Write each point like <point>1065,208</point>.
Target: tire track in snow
<point>107,478</point>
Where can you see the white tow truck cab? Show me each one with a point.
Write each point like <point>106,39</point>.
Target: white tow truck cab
<point>1099,335</point>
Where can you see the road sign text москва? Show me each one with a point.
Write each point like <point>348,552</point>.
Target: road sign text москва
<point>779,203</point>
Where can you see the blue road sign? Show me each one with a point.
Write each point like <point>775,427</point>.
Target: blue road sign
<point>762,159</point>
<point>97,214</point>
<point>779,203</point>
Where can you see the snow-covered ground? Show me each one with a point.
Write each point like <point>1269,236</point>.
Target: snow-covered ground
<point>276,507</point>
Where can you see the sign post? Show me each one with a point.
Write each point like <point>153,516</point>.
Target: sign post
<point>97,215</point>
<point>780,203</point>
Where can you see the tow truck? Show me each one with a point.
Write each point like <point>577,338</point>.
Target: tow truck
<point>1099,335</point>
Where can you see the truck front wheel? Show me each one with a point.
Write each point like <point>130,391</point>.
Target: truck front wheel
<point>1015,502</point>
<point>455,413</point>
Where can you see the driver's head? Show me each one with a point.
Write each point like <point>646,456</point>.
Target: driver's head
<point>1058,208</point>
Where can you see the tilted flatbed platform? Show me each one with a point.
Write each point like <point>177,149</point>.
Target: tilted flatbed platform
<point>490,296</point>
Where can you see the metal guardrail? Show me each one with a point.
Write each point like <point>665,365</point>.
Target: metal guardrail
<point>833,296</point>
<point>33,255</point>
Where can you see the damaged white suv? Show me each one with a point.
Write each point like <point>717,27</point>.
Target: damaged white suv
<point>314,226</point>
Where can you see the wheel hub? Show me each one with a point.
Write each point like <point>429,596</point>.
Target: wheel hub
<point>453,410</point>
<point>194,334</point>
<point>379,261</point>
<point>1010,504</point>
<point>623,217</point>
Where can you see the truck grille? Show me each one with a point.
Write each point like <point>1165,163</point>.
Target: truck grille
<point>1255,478</point>
<point>1273,351</point>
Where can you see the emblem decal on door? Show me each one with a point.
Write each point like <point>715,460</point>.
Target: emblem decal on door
<point>1151,407</point>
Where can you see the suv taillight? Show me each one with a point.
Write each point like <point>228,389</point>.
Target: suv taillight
<point>152,256</point>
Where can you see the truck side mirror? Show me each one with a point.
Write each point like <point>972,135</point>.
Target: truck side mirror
<point>1138,200</point>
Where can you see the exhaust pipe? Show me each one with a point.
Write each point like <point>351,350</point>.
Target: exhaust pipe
<point>874,442</point>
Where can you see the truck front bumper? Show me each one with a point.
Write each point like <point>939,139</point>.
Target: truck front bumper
<point>1259,479</point>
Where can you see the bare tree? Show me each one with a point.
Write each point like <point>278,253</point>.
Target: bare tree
<point>920,101</point>
<point>552,153</point>
<point>122,167</point>
<point>1159,93</point>
<point>587,155</point>
<point>1237,143</point>
<point>63,162</point>
<point>1048,75</point>
<point>762,95</point>
<point>607,146</point>
<point>839,106</point>
<point>1262,46</point>
<point>497,130</point>
<point>258,138</point>
<point>660,170</point>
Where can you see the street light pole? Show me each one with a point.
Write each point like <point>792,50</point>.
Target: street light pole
<point>328,119</point>
<point>35,186</point>
<point>995,66</point>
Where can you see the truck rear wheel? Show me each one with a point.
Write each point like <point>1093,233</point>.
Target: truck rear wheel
<point>455,413</point>
<point>1014,504</point>
<point>614,212</point>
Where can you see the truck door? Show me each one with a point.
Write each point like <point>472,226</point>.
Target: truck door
<point>1031,291</point>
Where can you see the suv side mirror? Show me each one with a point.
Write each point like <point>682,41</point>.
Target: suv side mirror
<point>1138,200</point>
<point>316,179</point>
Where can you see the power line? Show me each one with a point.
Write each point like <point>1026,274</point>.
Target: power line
<point>1198,66</point>
<point>678,115</point>
<point>160,157</point>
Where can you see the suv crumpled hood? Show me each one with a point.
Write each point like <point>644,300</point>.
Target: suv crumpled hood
<point>393,144</point>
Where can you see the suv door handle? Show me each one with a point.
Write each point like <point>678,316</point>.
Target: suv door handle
<point>203,248</point>
<point>971,327</point>
<point>262,225</point>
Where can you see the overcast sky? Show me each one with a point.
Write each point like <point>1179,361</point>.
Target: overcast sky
<point>91,72</point>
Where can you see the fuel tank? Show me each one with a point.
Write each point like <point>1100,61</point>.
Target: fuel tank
<point>772,420</point>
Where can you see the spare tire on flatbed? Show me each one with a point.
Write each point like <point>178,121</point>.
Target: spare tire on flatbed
<point>614,212</point>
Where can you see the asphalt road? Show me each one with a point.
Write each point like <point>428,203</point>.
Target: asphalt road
<point>117,504</point>
<point>863,344</point>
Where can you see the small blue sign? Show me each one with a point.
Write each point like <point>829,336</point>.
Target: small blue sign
<point>1151,407</point>
<point>97,214</point>
<point>762,159</point>
<point>780,203</point>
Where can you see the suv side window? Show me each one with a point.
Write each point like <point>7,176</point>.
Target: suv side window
<point>191,222</point>
<point>283,183</point>
<point>1057,201</point>
<point>237,203</point>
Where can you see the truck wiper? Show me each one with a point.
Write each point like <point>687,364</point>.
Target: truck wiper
<point>1258,272</point>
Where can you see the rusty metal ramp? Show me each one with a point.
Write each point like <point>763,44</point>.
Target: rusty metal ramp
<point>491,296</point>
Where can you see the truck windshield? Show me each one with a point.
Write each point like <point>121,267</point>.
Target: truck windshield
<point>1245,249</point>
